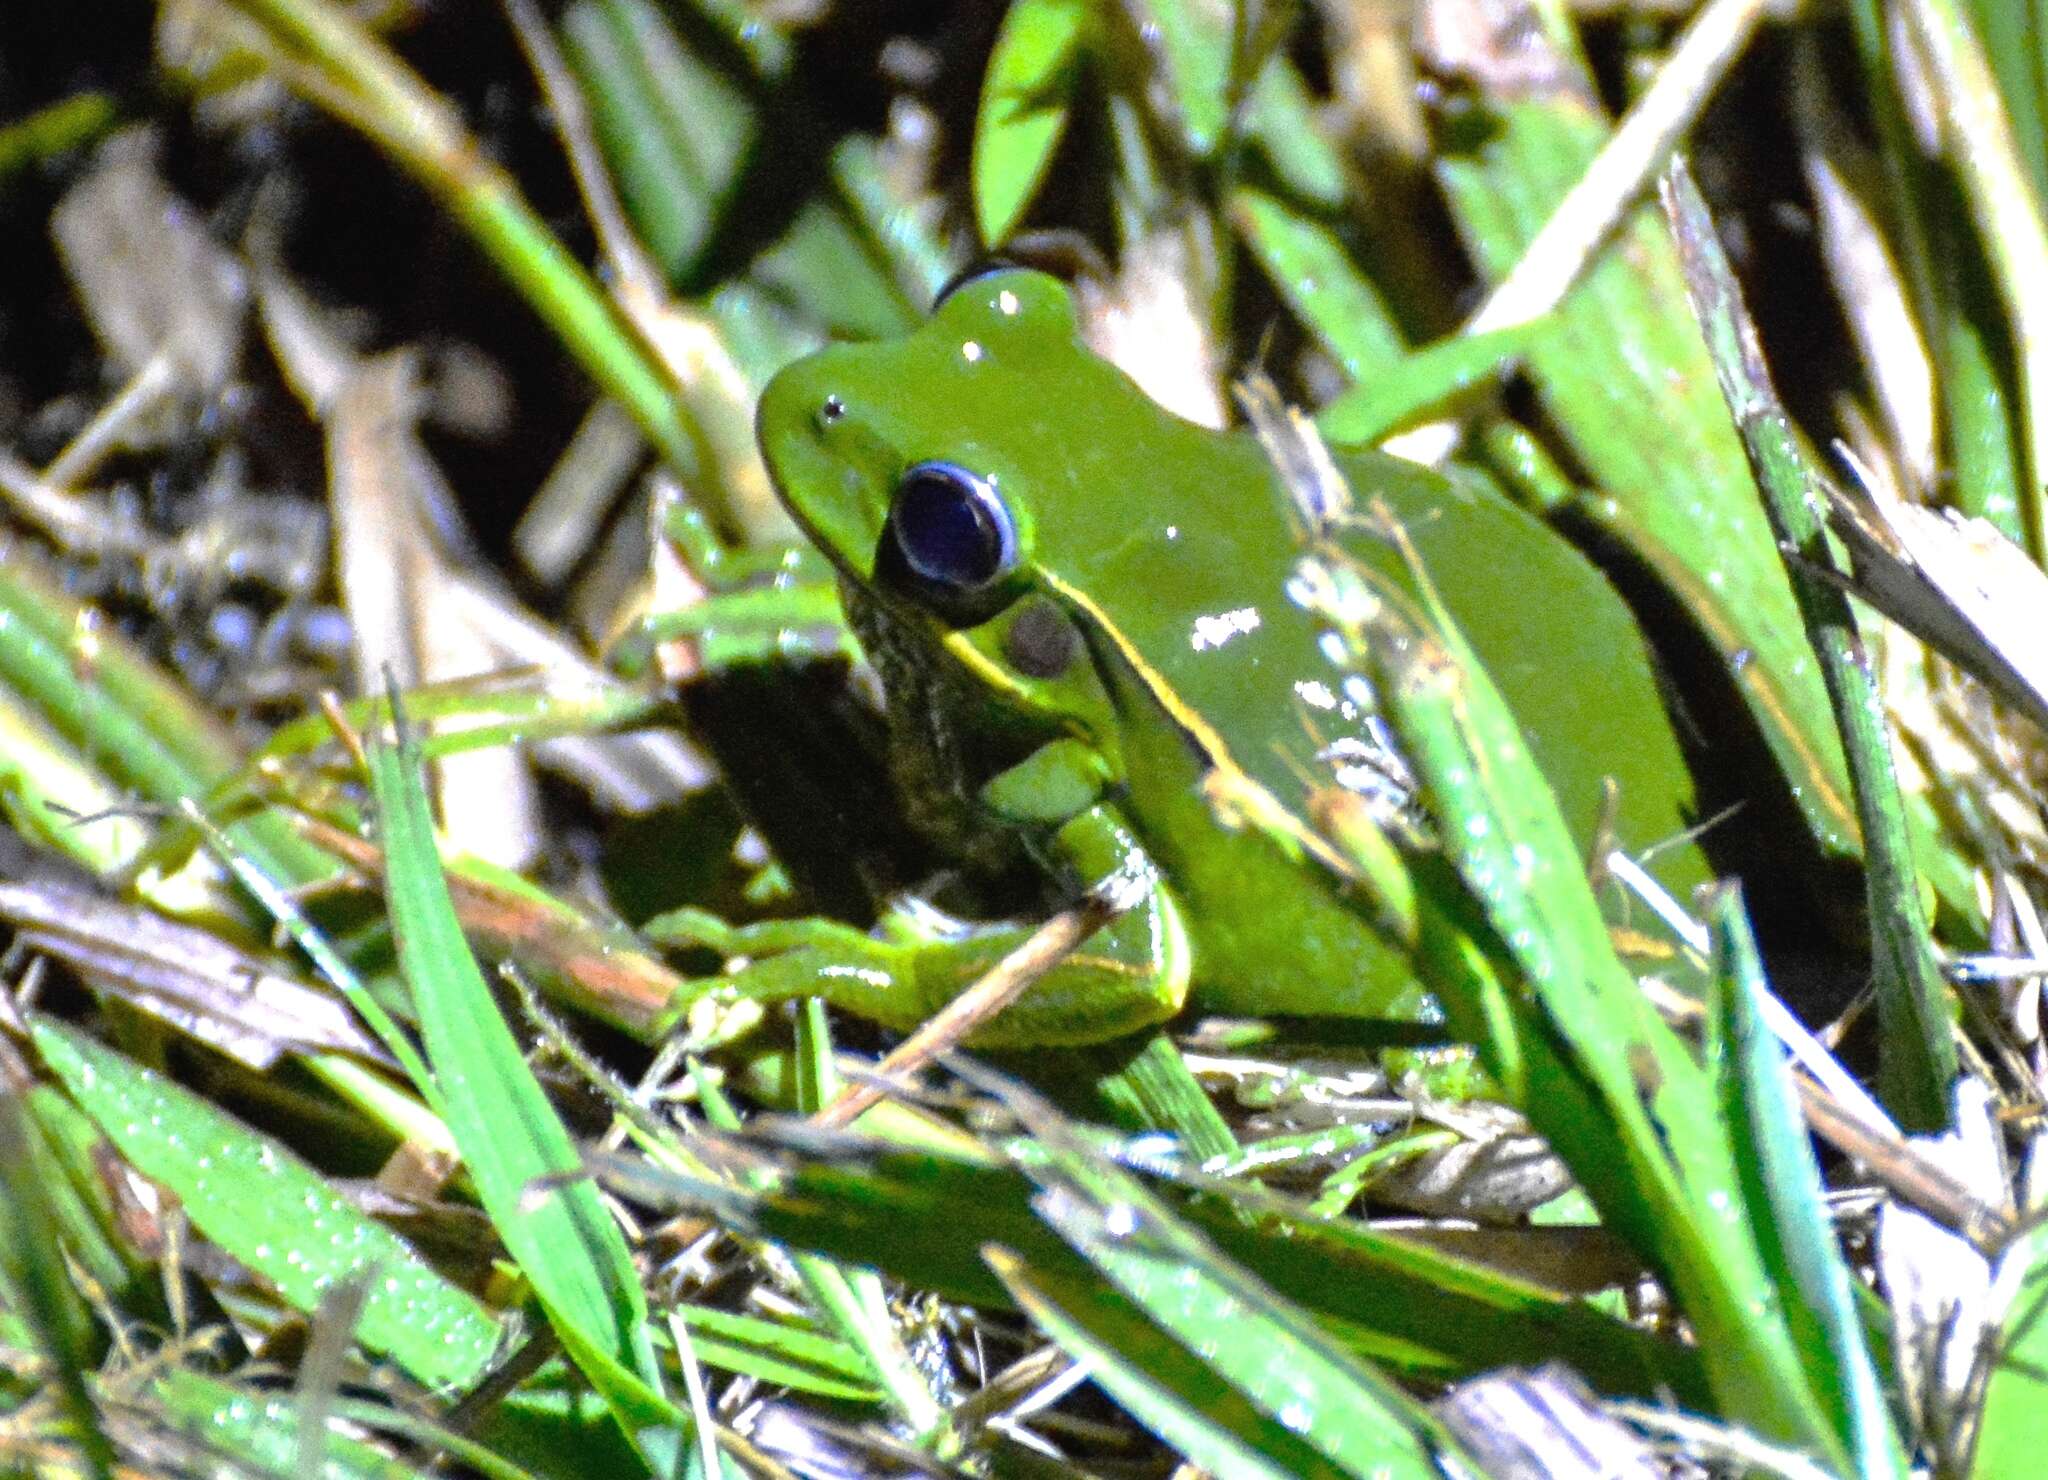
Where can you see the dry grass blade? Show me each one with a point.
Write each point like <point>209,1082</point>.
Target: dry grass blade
<point>1003,983</point>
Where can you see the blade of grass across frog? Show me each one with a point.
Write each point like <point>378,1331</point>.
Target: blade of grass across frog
<point>1606,1082</point>
<point>1622,371</point>
<point>1917,1058</point>
<point>926,1216</point>
<point>1782,1188</point>
<point>566,1243</point>
<point>1027,96</point>
<point>262,1204</point>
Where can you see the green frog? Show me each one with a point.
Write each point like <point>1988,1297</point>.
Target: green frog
<point>1084,613</point>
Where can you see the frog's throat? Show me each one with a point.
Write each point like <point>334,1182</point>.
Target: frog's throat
<point>1237,799</point>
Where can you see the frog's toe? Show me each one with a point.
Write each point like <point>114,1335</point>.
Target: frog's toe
<point>711,1015</point>
<point>682,928</point>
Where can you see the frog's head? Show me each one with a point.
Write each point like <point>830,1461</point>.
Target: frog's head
<point>951,474</point>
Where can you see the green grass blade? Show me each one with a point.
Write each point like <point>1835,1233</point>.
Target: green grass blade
<point>1574,1041</point>
<point>1194,54</point>
<point>1027,96</point>
<point>1423,385</point>
<point>124,715</point>
<point>261,1432</point>
<point>662,191</point>
<point>1981,148</point>
<point>36,1288</point>
<point>1312,271</point>
<point>775,1352</point>
<point>1155,1088</point>
<point>565,1241</point>
<point>1173,1392</point>
<point>926,1216</point>
<point>1782,1188</point>
<point>1917,1055</point>
<point>2013,1432</point>
<point>1291,1372</point>
<point>1622,371</point>
<point>270,1210</point>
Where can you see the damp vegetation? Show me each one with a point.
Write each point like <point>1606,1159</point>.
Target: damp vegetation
<point>549,935</point>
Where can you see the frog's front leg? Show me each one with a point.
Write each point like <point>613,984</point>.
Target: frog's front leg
<point>1131,974</point>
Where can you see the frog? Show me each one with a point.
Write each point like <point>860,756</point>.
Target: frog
<point>1085,617</point>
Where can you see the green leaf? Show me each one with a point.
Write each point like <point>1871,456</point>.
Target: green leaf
<point>2013,1434</point>
<point>36,1287</point>
<point>1311,269</point>
<point>563,1238</point>
<point>1423,385</point>
<point>1027,97</point>
<point>1173,1392</point>
<point>1266,1351</point>
<point>777,1352</point>
<point>1573,1040</point>
<point>1917,1056</point>
<point>1193,44</point>
<point>1782,1189</point>
<point>262,1431</point>
<point>274,1213</point>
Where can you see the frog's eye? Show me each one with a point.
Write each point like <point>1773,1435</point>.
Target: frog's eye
<point>952,529</point>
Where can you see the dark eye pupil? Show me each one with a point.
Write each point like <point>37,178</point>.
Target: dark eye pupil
<point>953,528</point>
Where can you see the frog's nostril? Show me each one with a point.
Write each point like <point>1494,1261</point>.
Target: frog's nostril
<point>832,410</point>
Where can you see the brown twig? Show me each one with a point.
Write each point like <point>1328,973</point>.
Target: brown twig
<point>1003,983</point>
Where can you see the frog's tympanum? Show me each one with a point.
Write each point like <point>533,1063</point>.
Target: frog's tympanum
<point>1078,605</point>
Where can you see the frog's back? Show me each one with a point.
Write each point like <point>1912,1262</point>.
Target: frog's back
<point>1198,579</point>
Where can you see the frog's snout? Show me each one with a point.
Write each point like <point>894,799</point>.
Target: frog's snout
<point>829,470</point>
